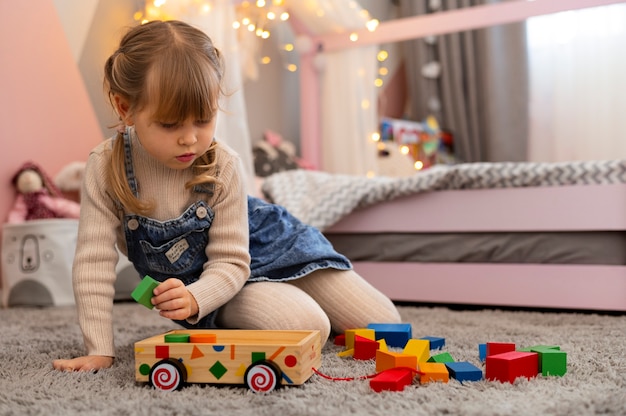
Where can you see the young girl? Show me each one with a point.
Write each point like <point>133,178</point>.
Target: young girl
<point>173,199</point>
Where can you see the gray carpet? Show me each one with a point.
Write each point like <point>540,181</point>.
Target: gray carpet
<point>594,384</point>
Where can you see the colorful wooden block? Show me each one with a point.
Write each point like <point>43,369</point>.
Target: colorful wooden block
<point>464,371</point>
<point>362,332</point>
<point>433,372</point>
<point>508,366</point>
<point>394,379</point>
<point>340,340</point>
<point>419,348</point>
<point>364,349</point>
<point>482,352</point>
<point>396,335</point>
<point>143,293</point>
<point>443,357</point>
<point>494,348</point>
<point>386,360</point>
<point>542,347</point>
<point>382,344</point>
<point>552,362</point>
<point>436,343</point>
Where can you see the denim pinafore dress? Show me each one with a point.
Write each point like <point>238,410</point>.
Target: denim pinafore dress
<point>281,247</point>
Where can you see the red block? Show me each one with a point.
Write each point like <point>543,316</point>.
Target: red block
<point>510,365</point>
<point>394,379</point>
<point>364,348</point>
<point>340,340</point>
<point>499,347</point>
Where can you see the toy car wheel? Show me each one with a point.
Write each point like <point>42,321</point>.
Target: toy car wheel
<point>263,376</point>
<point>168,375</point>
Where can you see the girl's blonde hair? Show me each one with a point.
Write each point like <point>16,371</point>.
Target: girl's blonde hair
<point>176,66</point>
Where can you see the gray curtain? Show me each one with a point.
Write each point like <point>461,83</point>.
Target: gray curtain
<point>481,91</point>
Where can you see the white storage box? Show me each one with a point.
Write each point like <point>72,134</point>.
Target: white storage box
<point>37,261</point>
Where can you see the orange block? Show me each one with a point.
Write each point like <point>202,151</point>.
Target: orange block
<point>433,372</point>
<point>386,360</point>
<point>203,338</point>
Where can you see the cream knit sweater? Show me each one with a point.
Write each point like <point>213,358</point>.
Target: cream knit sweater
<point>100,230</point>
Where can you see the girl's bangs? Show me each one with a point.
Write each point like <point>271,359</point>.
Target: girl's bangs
<point>181,90</point>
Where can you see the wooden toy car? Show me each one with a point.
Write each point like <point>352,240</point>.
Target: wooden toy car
<point>260,359</point>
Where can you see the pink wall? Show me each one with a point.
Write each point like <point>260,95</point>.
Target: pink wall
<point>45,113</point>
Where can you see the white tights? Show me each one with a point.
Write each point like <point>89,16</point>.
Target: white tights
<point>323,300</point>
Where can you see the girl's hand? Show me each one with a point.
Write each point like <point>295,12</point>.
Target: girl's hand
<point>86,363</point>
<point>174,301</point>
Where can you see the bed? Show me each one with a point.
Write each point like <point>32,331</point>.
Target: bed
<point>549,235</point>
<point>538,235</point>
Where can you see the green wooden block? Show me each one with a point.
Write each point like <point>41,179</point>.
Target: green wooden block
<point>444,357</point>
<point>537,348</point>
<point>143,292</point>
<point>180,338</point>
<point>553,362</point>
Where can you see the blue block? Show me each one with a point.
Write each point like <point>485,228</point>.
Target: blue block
<point>395,335</point>
<point>464,371</point>
<point>482,352</point>
<point>436,343</point>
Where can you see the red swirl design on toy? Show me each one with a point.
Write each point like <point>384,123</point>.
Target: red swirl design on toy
<point>261,378</point>
<point>166,377</point>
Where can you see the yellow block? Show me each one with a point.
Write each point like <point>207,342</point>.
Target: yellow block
<point>382,345</point>
<point>433,372</point>
<point>419,348</point>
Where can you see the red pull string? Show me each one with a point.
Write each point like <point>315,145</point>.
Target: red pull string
<point>316,371</point>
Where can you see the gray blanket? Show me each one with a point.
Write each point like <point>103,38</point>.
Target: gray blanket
<point>321,199</point>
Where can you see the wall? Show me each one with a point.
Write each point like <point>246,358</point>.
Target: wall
<point>46,113</point>
<point>272,100</point>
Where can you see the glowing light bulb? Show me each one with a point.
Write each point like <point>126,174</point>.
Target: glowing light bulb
<point>382,55</point>
<point>418,165</point>
<point>372,25</point>
<point>354,37</point>
<point>376,136</point>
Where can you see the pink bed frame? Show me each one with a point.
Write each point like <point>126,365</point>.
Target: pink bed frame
<point>567,208</point>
